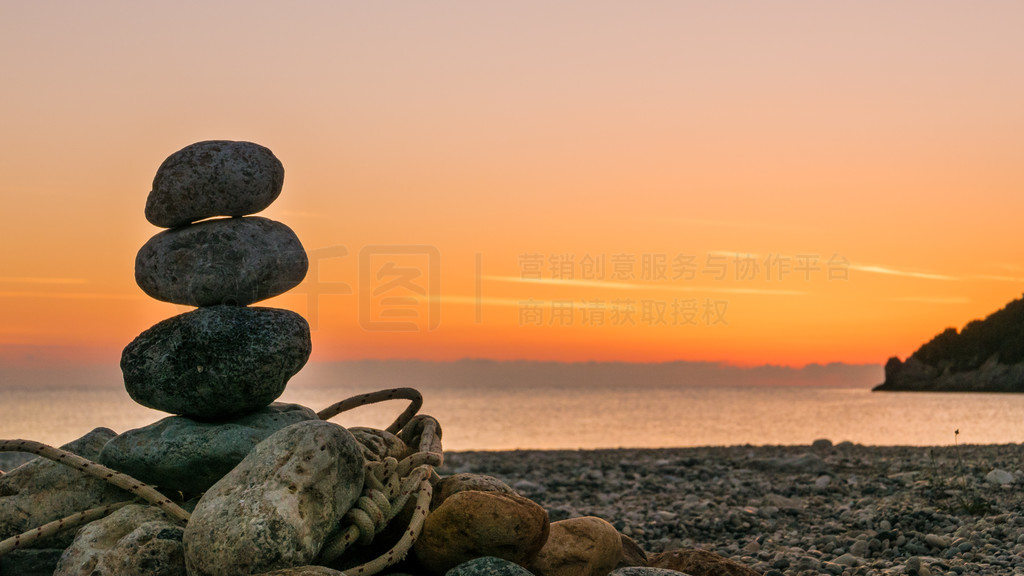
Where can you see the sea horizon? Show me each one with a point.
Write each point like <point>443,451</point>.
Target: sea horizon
<point>501,405</point>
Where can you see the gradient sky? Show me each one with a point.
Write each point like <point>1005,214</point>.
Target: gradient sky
<point>873,149</point>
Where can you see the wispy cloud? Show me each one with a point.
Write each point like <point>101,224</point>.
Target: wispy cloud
<point>894,272</point>
<point>1000,278</point>
<point>651,287</point>
<point>932,300</point>
<point>40,280</point>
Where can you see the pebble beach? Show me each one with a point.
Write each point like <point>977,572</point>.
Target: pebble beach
<point>843,509</point>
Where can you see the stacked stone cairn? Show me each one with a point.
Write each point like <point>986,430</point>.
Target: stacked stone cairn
<point>264,487</point>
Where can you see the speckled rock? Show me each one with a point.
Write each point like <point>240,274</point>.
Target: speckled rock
<point>456,483</point>
<point>586,546</point>
<point>472,524</point>
<point>187,455</point>
<point>41,490</point>
<point>488,566</point>
<point>216,363</point>
<point>236,261</point>
<point>699,563</point>
<point>277,507</point>
<point>136,539</point>
<point>213,178</point>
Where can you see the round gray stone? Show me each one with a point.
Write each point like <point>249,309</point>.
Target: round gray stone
<point>225,261</point>
<point>179,453</point>
<point>488,566</point>
<point>216,363</point>
<point>278,506</point>
<point>213,178</point>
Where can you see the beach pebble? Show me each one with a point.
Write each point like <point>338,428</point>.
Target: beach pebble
<point>488,566</point>
<point>999,476</point>
<point>42,490</point>
<point>585,546</point>
<point>277,507</point>
<point>801,464</point>
<point>699,563</point>
<point>134,540</point>
<point>456,483</point>
<point>216,363</point>
<point>236,261</point>
<point>471,524</point>
<point>213,178</point>
<point>178,453</point>
<point>936,541</point>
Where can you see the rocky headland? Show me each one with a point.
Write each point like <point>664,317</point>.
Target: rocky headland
<point>986,356</point>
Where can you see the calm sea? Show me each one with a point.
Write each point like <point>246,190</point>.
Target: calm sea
<point>574,415</point>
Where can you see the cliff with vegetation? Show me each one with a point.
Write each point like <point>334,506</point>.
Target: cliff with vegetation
<point>986,356</point>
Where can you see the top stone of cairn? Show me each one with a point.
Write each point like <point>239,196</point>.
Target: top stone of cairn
<point>213,178</point>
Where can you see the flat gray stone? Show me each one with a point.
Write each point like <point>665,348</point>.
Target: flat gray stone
<point>235,261</point>
<point>179,453</point>
<point>216,363</point>
<point>134,540</point>
<point>213,178</point>
<point>488,566</point>
<point>42,491</point>
<point>277,507</point>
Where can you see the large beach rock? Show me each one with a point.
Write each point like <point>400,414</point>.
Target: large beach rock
<point>699,563</point>
<point>213,178</point>
<point>234,261</point>
<point>134,540</point>
<point>179,453</point>
<point>277,507</point>
<point>587,546</point>
<point>216,363</point>
<point>42,491</point>
<point>450,485</point>
<point>471,524</point>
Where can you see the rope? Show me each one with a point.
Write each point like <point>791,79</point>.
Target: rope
<point>51,528</point>
<point>123,481</point>
<point>411,394</point>
<point>389,484</point>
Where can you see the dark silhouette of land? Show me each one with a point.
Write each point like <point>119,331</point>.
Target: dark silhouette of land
<point>986,356</point>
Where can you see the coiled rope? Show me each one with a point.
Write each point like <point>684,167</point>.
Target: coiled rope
<point>389,484</point>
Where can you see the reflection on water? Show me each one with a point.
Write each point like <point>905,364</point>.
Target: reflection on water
<point>589,417</point>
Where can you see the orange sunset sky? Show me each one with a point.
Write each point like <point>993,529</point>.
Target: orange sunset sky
<point>779,182</point>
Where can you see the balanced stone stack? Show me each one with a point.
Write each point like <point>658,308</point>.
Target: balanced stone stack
<point>220,367</point>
